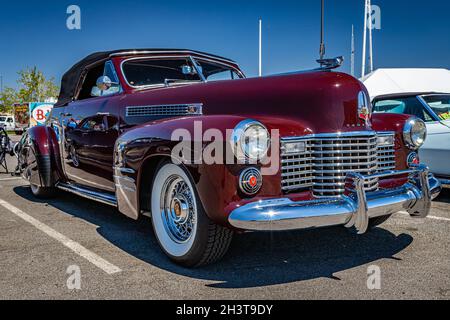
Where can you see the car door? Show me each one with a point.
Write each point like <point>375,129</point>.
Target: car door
<point>436,149</point>
<point>88,141</point>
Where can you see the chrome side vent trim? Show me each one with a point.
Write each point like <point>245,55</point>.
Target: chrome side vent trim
<point>170,110</point>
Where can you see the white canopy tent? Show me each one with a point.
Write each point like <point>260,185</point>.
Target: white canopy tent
<point>389,81</point>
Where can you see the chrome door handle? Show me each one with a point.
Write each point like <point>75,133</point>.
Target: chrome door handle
<point>103,113</point>
<point>65,114</point>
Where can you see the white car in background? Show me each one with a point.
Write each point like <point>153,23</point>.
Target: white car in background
<point>7,122</point>
<point>434,109</point>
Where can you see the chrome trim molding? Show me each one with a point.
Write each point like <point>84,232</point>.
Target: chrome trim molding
<point>125,182</point>
<point>88,193</point>
<point>353,210</point>
<point>173,53</point>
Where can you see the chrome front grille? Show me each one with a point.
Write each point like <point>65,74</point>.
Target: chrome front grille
<point>386,155</point>
<point>327,158</point>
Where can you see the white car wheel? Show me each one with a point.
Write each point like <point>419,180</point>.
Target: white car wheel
<point>174,210</point>
<point>182,228</point>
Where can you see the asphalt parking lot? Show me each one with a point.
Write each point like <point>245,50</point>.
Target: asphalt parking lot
<point>120,259</point>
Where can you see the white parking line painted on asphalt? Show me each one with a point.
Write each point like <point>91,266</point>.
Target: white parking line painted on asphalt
<point>12,178</point>
<point>93,258</point>
<point>429,217</point>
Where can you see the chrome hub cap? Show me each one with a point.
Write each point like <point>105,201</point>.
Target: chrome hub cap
<point>177,209</point>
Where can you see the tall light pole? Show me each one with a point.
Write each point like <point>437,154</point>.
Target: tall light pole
<point>352,71</point>
<point>367,25</point>
<point>260,48</point>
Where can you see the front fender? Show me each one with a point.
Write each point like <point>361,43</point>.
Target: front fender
<point>394,122</point>
<point>217,184</point>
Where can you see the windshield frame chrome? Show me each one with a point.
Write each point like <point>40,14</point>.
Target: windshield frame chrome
<point>193,60</point>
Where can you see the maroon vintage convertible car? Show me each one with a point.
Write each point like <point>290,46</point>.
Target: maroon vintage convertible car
<point>306,152</point>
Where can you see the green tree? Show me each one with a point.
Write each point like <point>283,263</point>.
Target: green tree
<point>33,86</point>
<point>7,99</point>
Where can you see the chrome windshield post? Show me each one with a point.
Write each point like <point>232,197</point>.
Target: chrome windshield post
<point>198,69</point>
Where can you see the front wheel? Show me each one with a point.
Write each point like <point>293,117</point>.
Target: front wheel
<point>182,228</point>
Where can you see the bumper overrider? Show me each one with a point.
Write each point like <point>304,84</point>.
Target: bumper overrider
<point>353,210</point>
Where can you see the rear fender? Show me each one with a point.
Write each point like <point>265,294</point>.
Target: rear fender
<point>41,168</point>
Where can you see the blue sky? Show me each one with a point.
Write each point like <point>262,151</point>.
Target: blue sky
<point>413,33</point>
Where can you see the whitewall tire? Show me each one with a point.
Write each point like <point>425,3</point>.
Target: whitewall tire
<point>182,228</point>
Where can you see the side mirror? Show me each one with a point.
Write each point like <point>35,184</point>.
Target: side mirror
<point>104,83</point>
<point>187,70</point>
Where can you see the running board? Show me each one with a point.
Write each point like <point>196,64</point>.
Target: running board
<point>102,197</point>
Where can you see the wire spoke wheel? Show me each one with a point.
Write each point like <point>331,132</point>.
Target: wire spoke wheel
<point>178,209</point>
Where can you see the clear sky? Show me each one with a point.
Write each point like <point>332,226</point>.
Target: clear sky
<point>413,33</point>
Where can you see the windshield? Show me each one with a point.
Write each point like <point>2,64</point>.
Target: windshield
<point>150,72</point>
<point>440,104</point>
<point>2,119</point>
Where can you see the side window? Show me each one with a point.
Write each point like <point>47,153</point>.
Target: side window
<point>90,89</point>
<point>109,72</point>
<point>90,81</point>
<point>93,124</point>
<point>223,75</point>
<point>409,105</point>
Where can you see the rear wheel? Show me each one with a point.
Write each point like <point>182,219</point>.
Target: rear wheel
<point>42,192</point>
<point>182,228</point>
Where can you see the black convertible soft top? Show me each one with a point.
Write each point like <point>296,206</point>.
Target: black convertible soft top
<point>70,79</point>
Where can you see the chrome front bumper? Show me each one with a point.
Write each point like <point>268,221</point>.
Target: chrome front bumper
<point>352,211</point>
<point>445,182</point>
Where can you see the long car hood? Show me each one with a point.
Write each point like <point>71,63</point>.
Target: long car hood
<point>319,101</point>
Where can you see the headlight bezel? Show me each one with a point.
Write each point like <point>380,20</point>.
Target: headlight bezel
<point>238,140</point>
<point>408,133</point>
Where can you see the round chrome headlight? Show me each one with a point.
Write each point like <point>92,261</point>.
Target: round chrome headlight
<point>414,133</point>
<point>251,140</point>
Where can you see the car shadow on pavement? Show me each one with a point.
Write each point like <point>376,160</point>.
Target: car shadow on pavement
<point>254,259</point>
<point>444,197</point>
